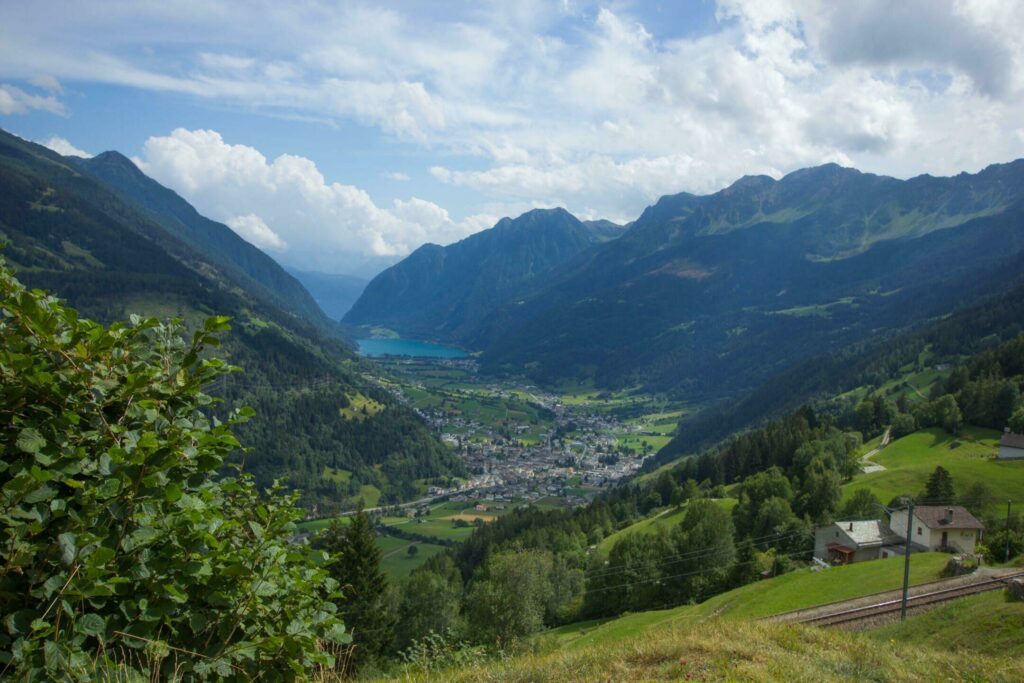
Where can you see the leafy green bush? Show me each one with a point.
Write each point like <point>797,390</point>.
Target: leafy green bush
<point>122,546</point>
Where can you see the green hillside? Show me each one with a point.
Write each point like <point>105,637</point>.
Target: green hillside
<point>969,457</point>
<point>795,590</point>
<point>996,626</point>
<point>720,639</point>
<point>663,520</point>
<point>109,258</point>
<point>741,651</point>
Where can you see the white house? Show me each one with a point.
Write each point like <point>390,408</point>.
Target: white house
<point>939,527</point>
<point>1011,447</point>
<point>854,541</point>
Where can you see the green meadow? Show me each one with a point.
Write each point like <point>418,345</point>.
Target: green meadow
<point>969,457</point>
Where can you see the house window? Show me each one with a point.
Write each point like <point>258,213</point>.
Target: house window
<point>918,531</point>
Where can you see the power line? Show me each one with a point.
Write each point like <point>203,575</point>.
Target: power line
<point>685,574</point>
<point>692,554</point>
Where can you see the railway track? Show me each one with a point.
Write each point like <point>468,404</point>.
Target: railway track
<point>913,602</point>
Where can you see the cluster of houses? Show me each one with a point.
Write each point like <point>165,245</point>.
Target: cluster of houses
<point>572,460</point>
<point>932,528</point>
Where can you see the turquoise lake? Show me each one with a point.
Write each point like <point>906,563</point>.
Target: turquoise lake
<point>407,347</point>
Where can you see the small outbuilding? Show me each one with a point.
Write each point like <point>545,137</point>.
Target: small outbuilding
<point>1011,447</point>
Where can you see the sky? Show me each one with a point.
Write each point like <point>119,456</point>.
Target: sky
<point>340,136</point>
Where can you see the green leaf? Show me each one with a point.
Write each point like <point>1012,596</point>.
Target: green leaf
<point>66,541</point>
<point>30,440</point>
<point>101,555</point>
<point>172,492</point>
<point>175,593</point>
<point>109,488</point>
<point>91,625</point>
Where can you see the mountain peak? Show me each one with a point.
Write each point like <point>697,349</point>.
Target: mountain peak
<point>827,171</point>
<point>114,160</point>
<point>751,182</point>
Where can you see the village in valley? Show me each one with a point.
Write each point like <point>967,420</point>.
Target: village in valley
<point>524,445</point>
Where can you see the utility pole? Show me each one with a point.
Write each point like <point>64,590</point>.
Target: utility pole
<point>1008,503</point>
<point>906,563</point>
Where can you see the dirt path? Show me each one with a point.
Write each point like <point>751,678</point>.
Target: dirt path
<point>867,463</point>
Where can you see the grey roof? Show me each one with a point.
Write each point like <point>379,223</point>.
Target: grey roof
<point>867,533</point>
<point>1011,440</point>
<point>934,517</point>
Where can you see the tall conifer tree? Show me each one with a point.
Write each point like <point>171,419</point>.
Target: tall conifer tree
<point>356,566</point>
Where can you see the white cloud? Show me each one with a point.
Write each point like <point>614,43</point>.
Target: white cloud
<point>321,223</point>
<point>252,229</point>
<point>538,103</point>
<point>62,146</point>
<point>397,176</point>
<point>14,100</point>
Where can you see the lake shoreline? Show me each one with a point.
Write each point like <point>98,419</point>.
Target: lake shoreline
<point>407,348</point>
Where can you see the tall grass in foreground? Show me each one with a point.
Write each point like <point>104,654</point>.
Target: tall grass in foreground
<point>742,651</point>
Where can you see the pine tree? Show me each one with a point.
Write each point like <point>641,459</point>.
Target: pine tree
<point>356,566</point>
<point>939,489</point>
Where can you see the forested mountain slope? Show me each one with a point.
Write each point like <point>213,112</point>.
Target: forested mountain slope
<point>713,295</point>
<point>996,314</point>
<point>216,241</point>
<point>68,234</point>
<point>444,292</point>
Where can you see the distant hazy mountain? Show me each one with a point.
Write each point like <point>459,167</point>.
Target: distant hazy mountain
<point>444,292</point>
<point>214,240</point>
<point>334,293</point>
<point>109,258</point>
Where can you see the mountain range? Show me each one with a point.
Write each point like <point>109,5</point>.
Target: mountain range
<point>707,297</point>
<point>444,292</point>
<point>113,242</point>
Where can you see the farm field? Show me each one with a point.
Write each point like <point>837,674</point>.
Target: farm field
<point>969,457</point>
<point>440,522</point>
<point>396,560</point>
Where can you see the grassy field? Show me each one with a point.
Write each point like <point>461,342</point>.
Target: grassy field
<point>666,519</point>
<point>360,407</point>
<point>440,523</point>
<point>370,495</point>
<point>795,590</point>
<point>996,626</point>
<point>909,461</point>
<point>740,651</point>
<point>397,561</point>
<point>640,443</point>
